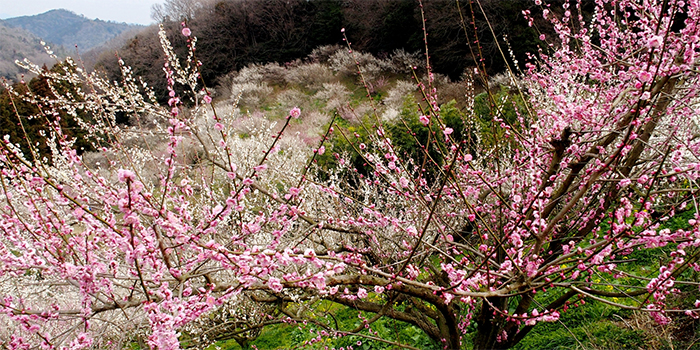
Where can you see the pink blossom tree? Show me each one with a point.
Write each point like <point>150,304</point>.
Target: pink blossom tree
<point>181,232</point>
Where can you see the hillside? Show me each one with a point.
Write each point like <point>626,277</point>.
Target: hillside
<point>63,27</point>
<point>18,44</point>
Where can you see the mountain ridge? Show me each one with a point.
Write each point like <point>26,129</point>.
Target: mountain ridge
<point>18,44</point>
<point>62,30</point>
<point>68,29</point>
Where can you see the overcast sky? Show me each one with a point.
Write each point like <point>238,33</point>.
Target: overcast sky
<point>129,11</point>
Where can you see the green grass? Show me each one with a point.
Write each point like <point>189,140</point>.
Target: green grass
<point>291,336</point>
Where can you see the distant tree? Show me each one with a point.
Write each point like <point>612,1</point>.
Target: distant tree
<point>27,125</point>
<point>177,10</point>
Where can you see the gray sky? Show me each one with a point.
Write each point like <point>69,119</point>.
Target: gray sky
<point>129,11</point>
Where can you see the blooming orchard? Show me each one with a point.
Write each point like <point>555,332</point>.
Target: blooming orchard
<point>186,232</point>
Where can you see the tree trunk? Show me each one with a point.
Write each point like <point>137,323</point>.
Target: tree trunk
<point>488,326</point>
<point>448,326</point>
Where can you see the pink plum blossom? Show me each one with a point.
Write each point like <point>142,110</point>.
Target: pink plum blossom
<point>295,112</point>
<point>424,120</point>
<point>275,284</point>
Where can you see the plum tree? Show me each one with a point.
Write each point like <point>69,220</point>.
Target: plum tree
<point>185,232</point>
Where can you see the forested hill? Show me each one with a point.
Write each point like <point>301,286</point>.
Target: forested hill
<point>234,33</point>
<point>18,44</point>
<point>65,28</point>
